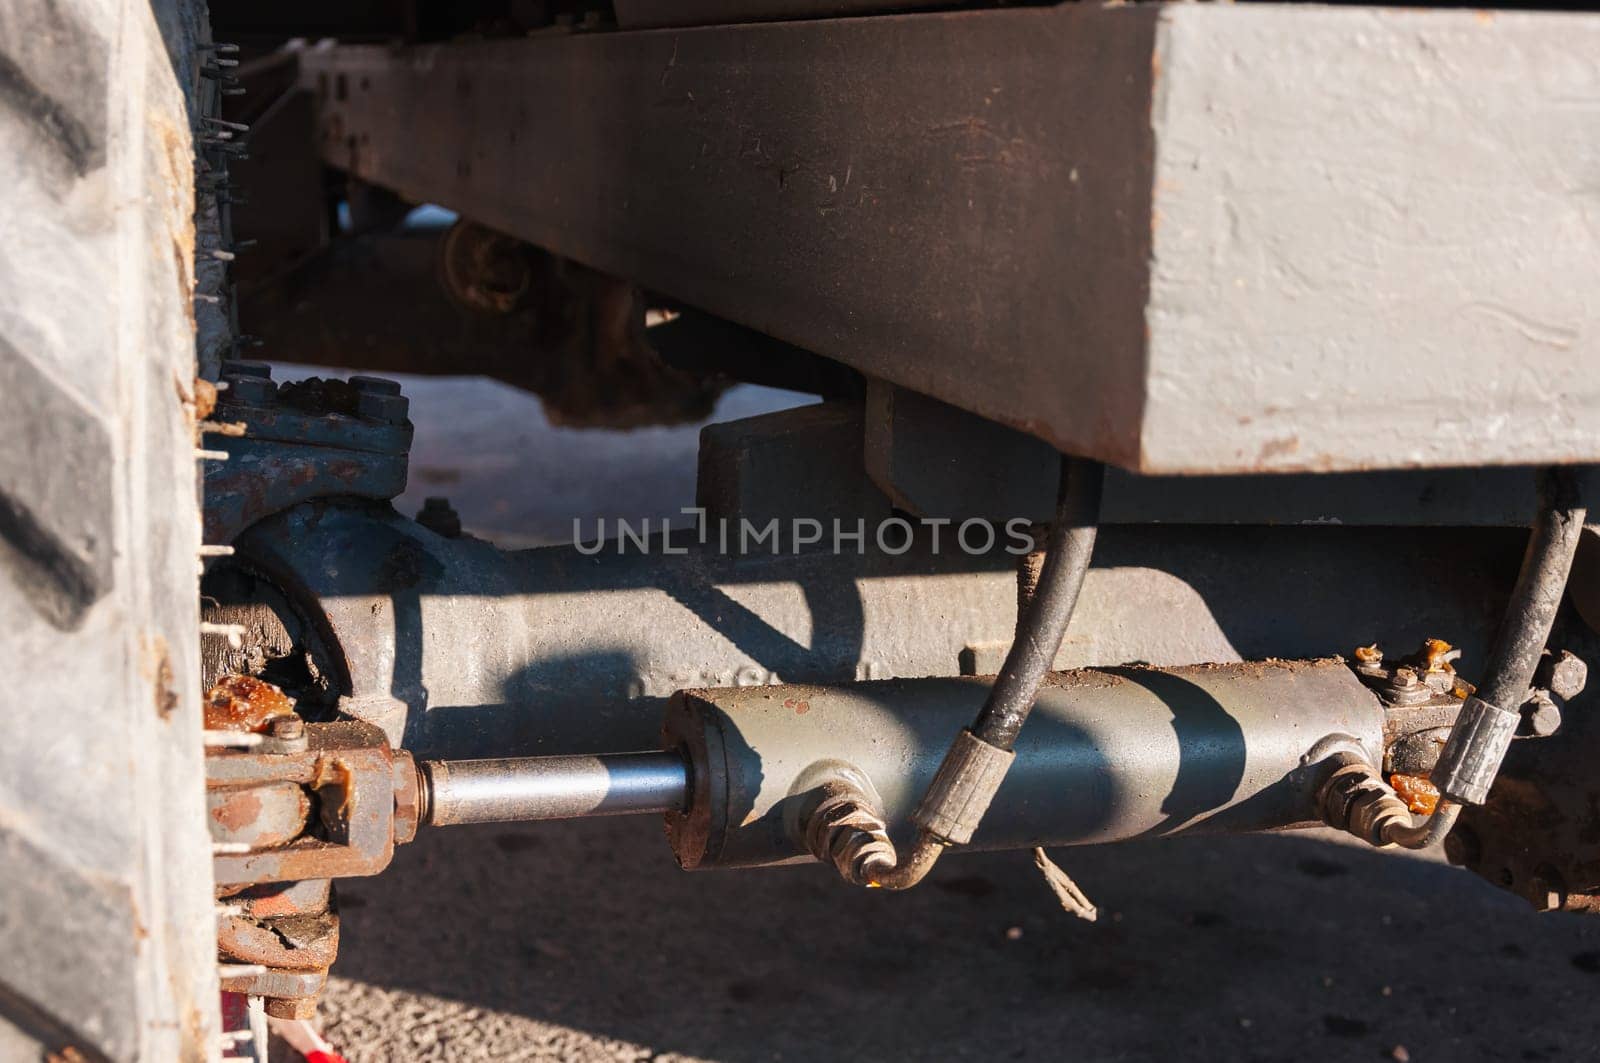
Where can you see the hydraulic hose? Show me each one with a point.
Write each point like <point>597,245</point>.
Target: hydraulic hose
<point>977,762</point>
<point>1483,729</point>
<point>1537,595</point>
<point>1041,629</point>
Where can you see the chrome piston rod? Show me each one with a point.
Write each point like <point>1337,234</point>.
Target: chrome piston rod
<point>517,789</point>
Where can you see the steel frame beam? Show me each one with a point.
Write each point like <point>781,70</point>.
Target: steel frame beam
<point>1183,238</point>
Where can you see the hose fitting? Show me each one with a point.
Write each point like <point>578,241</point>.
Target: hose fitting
<point>1355,799</point>
<point>1471,757</point>
<point>977,761</point>
<point>960,793</point>
<point>1482,731</point>
<point>846,831</point>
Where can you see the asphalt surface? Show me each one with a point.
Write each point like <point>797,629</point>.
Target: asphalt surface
<point>583,941</point>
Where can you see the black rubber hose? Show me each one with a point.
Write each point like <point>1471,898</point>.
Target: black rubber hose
<point>1539,588</point>
<point>1041,628</point>
<point>1531,613</point>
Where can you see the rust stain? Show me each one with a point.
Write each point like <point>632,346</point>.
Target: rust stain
<point>238,811</point>
<point>205,398</point>
<point>158,670</point>
<point>1369,654</point>
<point>178,155</point>
<point>1419,794</point>
<point>244,703</point>
<point>1435,656</point>
<point>275,904</point>
<point>1277,448</point>
<point>799,705</point>
<point>334,772</point>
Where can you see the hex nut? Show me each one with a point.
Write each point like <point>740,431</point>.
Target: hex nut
<point>1404,687</point>
<point>439,517</point>
<point>410,798</point>
<point>375,385</point>
<point>1563,674</point>
<point>249,390</point>
<point>379,407</point>
<point>291,1007</point>
<point>1541,717</point>
<point>288,727</point>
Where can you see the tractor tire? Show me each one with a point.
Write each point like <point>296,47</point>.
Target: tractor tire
<point>107,924</point>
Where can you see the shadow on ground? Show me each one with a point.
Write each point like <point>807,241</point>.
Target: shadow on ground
<point>583,941</point>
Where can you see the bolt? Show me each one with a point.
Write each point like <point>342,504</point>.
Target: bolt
<point>1563,674</point>
<point>439,517</point>
<point>1541,717</point>
<point>375,385</point>
<point>288,728</point>
<point>291,1007</point>
<point>247,390</point>
<point>1404,687</point>
<point>379,407</point>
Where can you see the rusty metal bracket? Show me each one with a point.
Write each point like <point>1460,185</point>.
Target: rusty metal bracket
<point>315,439</point>
<point>297,942</point>
<point>348,772</point>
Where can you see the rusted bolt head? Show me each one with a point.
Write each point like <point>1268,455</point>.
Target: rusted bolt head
<point>1540,716</point>
<point>1564,674</point>
<point>375,385</point>
<point>288,727</point>
<point>291,1007</point>
<point>390,408</point>
<point>1405,677</point>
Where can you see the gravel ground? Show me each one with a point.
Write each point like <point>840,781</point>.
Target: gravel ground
<point>582,941</point>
